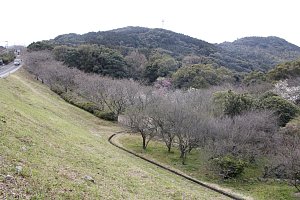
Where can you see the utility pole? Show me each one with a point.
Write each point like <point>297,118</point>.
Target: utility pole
<point>6,44</point>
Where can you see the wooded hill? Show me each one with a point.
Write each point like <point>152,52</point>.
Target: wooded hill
<point>138,37</point>
<point>246,54</point>
<point>261,52</point>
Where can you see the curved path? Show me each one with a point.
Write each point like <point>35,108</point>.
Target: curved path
<point>110,139</point>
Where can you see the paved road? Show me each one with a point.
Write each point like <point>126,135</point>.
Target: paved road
<point>8,69</point>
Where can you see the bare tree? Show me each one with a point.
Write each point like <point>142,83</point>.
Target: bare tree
<point>287,155</point>
<point>187,115</point>
<point>34,62</point>
<point>137,62</point>
<point>140,122</point>
<point>162,115</point>
<point>138,116</point>
<point>45,68</point>
<point>91,87</point>
<point>247,136</point>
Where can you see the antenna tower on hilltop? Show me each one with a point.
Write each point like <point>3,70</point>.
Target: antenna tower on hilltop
<point>162,23</point>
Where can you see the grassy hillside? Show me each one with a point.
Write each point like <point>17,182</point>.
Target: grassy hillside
<point>57,145</point>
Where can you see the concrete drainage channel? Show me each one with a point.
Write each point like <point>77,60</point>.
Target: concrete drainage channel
<point>173,171</point>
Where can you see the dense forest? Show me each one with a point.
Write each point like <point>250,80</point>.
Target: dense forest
<point>262,53</point>
<point>138,37</point>
<point>246,54</point>
<point>147,55</point>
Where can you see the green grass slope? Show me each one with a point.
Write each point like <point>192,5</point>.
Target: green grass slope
<point>57,145</point>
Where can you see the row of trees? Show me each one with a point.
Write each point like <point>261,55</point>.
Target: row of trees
<point>233,129</point>
<point>105,93</point>
<point>186,120</point>
<point>226,125</point>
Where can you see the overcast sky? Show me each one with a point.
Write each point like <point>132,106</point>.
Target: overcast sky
<point>215,21</point>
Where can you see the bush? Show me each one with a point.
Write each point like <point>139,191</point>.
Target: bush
<point>93,58</point>
<point>232,104</point>
<point>7,57</point>
<point>201,76</point>
<point>39,46</point>
<point>268,94</point>
<point>106,115</point>
<point>90,107</point>
<point>80,103</point>
<point>58,90</point>
<point>285,71</point>
<point>87,106</point>
<point>283,108</point>
<point>229,166</point>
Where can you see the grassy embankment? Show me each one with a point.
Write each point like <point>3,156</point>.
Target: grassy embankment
<point>58,144</point>
<point>198,167</point>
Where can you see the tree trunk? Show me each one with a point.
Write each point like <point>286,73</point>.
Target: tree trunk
<point>169,148</point>
<point>296,182</point>
<point>144,142</point>
<point>183,157</point>
<point>169,145</point>
<point>181,154</point>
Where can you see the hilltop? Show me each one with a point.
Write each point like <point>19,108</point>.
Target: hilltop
<point>262,52</point>
<point>139,37</point>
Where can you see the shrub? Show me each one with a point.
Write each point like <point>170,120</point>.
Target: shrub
<point>57,89</point>
<point>285,71</point>
<point>229,166</point>
<point>106,115</point>
<point>201,76</point>
<point>80,103</point>
<point>39,46</point>
<point>268,94</point>
<point>283,108</point>
<point>232,104</point>
<point>87,106</point>
<point>7,57</point>
<point>93,58</point>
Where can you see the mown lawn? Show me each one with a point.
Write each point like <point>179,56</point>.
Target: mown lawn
<point>57,145</point>
<point>199,167</point>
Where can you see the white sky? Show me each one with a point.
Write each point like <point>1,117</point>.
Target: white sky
<point>215,21</point>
